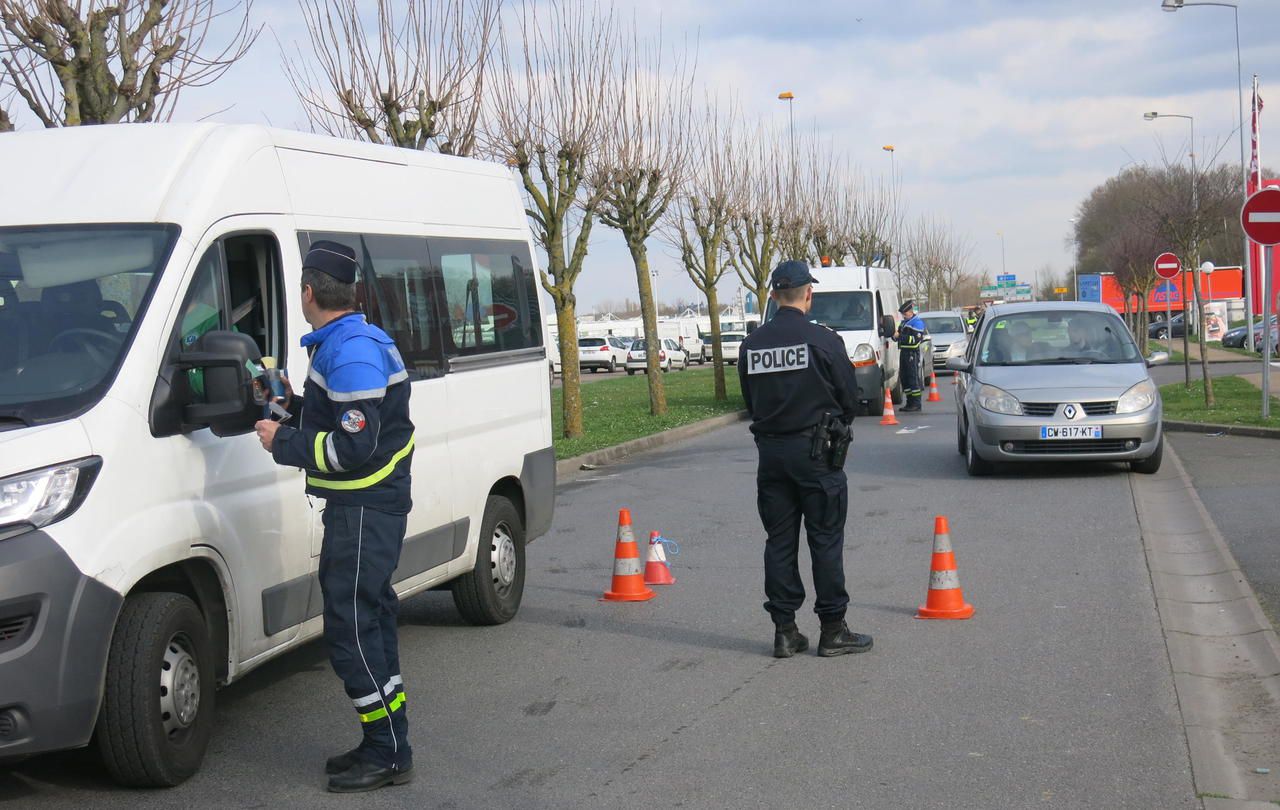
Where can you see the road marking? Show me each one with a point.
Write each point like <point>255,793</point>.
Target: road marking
<point>1264,216</point>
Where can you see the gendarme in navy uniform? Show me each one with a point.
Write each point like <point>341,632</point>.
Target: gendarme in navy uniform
<point>911,336</point>
<point>355,441</point>
<point>792,373</point>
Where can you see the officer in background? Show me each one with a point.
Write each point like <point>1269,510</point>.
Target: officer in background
<point>970,320</point>
<point>793,374</point>
<point>910,337</point>
<point>355,441</point>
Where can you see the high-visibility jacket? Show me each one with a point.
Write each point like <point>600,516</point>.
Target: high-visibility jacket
<point>354,438</point>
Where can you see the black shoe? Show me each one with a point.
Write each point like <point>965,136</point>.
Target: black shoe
<point>788,642</point>
<point>911,406</point>
<point>837,639</point>
<point>341,762</point>
<point>365,776</point>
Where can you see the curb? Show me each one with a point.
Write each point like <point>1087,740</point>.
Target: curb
<point>1230,430</point>
<point>1224,655</point>
<point>568,467</point>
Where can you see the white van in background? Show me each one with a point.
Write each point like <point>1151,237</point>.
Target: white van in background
<point>861,305</point>
<point>143,530</point>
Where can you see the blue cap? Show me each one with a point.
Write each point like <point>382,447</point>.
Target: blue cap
<point>791,274</point>
<point>332,259</point>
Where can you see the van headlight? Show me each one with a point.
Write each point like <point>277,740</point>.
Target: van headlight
<point>45,496</point>
<point>864,355</point>
<point>997,400</point>
<point>1138,398</point>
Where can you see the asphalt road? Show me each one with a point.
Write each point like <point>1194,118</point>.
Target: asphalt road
<point>1057,693</point>
<point>1238,479</point>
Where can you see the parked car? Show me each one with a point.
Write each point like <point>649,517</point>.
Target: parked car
<point>730,343</point>
<point>676,354</point>
<point>1056,381</point>
<point>1234,338</point>
<point>598,353</point>
<point>948,335</point>
<point>638,357</point>
<point>1258,345</point>
<point>1160,330</point>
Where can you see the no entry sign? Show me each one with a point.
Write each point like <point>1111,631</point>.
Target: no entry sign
<point>1168,265</point>
<point>1260,216</point>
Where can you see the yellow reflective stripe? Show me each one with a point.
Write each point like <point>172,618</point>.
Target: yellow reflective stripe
<point>320,462</point>
<point>368,480</point>
<point>379,713</point>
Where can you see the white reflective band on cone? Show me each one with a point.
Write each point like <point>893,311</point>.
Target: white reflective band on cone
<point>625,535</point>
<point>941,543</point>
<point>626,566</point>
<point>656,553</point>
<point>943,580</point>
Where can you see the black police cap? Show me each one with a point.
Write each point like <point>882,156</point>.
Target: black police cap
<point>332,259</point>
<point>791,274</point>
<point>906,305</point>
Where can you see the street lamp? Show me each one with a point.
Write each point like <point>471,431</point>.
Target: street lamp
<point>790,98</point>
<point>893,166</point>
<point>1195,208</point>
<point>1174,5</point>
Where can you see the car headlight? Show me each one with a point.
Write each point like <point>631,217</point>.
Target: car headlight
<point>1138,398</point>
<point>41,497</point>
<point>864,355</point>
<point>997,400</point>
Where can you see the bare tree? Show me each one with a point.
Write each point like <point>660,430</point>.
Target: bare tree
<point>409,73</point>
<point>547,118</point>
<point>645,156</point>
<point>6,123</point>
<point>934,262</point>
<point>112,61</point>
<point>699,220</point>
<point>754,223</point>
<point>873,224</point>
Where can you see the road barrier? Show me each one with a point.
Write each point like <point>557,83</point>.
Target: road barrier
<point>889,417</point>
<point>628,575</point>
<point>945,599</point>
<point>934,394</point>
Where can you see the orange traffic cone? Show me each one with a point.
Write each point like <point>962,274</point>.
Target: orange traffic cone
<point>656,570</point>
<point>889,417</point>
<point>628,577</point>
<point>945,600</point>
<point>934,394</point>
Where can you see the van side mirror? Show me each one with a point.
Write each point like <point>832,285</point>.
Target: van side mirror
<point>887,326</point>
<point>232,403</point>
<point>751,326</point>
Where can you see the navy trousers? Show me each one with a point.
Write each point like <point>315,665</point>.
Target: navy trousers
<point>791,487</point>
<point>909,372</point>
<point>361,551</point>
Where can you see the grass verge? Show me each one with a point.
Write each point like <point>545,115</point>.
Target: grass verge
<point>1239,402</point>
<point>617,411</point>
<point>1217,344</point>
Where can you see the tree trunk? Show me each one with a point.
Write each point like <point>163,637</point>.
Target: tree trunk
<point>570,371</point>
<point>1209,401</point>
<point>717,352</point>
<point>6,125</point>
<point>1144,318</point>
<point>657,393</point>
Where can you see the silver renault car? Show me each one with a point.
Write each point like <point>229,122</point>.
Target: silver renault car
<point>1056,381</point>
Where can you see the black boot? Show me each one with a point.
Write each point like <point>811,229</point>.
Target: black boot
<point>364,776</point>
<point>788,641</point>
<point>340,762</point>
<point>837,639</point>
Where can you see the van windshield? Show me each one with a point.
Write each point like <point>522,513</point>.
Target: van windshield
<point>843,311</point>
<point>70,302</point>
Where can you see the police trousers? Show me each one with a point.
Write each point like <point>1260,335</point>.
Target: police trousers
<point>790,487</point>
<point>909,370</point>
<point>361,551</point>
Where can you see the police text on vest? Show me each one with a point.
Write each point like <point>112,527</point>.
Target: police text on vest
<point>783,358</point>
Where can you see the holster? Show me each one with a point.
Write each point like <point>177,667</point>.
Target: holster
<point>831,439</point>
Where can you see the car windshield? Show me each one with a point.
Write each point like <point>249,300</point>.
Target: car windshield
<point>1049,337</point>
<point>591,343</point>
<point>942,324</point>
<point>70,302</point>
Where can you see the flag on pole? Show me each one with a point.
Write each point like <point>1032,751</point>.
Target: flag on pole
<point>1255,163</point>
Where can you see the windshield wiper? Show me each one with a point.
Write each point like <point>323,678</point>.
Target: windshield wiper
<point>13,419</point>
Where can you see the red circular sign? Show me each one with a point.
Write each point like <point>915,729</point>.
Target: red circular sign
<point>1260,216</point>
<point>1168,265</point>
<point>504,317</point>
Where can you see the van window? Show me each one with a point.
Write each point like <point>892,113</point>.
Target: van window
<point>490,295</point>
<point>843,311</point>
<point>398,291</point>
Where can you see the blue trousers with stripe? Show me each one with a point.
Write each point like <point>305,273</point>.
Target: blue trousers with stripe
<point>361,551</point>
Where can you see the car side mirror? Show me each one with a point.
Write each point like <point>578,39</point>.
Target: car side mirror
<point>959,364</point>
<point>1157,359</point>
<point>232,403</point>
<point>887,326</point>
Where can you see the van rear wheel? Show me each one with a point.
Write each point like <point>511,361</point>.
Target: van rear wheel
<point>157,702</point>
<point>491,592</point>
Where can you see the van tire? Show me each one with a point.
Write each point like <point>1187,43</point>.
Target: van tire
<point>875,407</point>
<point>131,736</point>
<point>480,595</point>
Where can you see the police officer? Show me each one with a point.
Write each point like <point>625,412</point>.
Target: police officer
<point>970,320</point>
<point>910,337</point>
<point>355,442</point>
<point>792,373</point>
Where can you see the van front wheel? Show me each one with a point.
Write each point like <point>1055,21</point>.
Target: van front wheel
<point>157,702</point>
<point>490,593</point>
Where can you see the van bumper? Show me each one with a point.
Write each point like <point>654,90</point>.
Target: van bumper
<point>55,631</point>
<point>870,382</point>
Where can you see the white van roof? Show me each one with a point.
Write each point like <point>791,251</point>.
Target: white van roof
<point>841,279</point>
<point>196,173</point>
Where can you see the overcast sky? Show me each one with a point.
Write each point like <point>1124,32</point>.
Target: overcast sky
<point>1004,113</point>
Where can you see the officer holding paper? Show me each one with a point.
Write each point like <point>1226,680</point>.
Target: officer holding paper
<point>801,393</point>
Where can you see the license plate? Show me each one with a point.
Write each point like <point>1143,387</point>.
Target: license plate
<point>1070,432</point>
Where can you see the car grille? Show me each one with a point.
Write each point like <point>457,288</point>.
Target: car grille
<point>1051,408</point>
<point>940,348</point>
<point>1080,446</point>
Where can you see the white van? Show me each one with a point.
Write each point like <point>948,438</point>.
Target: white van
<point>149,548</point>
<point>861,305</point>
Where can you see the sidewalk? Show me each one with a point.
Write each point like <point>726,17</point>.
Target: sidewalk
<point>1193,351</point>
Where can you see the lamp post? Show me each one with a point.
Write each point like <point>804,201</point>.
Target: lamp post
<point>790,98</point>
<point>1075,269</point>
<point>1174,5</point>
<point>1195,280</point>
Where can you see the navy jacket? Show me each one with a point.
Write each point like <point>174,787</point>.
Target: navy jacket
<point>911,333</point>
<point>354,439</point>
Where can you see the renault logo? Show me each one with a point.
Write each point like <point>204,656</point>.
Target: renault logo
<point>1071,411</point>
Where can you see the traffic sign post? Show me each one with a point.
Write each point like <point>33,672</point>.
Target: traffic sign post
<point>1168,266</point>
<point>1260,218</point>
